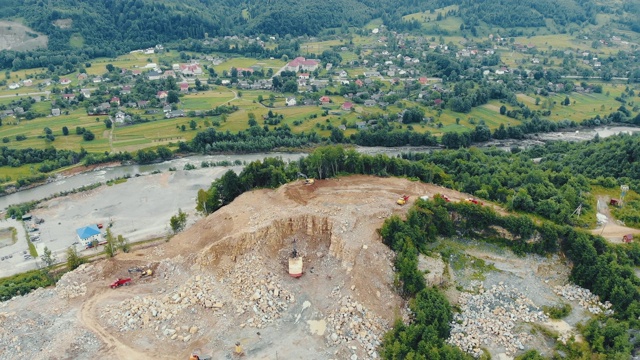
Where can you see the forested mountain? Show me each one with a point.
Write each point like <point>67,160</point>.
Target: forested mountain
<point>83,29</point>
<point>526,13</point>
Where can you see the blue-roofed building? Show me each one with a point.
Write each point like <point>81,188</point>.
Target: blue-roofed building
<point>89,234</point>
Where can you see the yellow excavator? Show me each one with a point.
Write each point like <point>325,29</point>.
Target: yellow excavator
<point>403,200</point>
<point>307,180</point>
<point>144,272</point>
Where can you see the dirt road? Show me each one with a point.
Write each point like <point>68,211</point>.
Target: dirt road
<point>612,230</point>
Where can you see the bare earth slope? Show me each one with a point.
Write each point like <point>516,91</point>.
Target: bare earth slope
<point>224,280</point>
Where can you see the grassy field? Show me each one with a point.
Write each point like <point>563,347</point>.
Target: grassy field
<point>207,100</point>
<point>244,62</point>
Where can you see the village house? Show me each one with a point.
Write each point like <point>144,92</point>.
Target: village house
<point>361,125</point>
<point>242,72</point>
<point>291,101</point>
<point>14,86</point>
<point>190,69</point>
<point>82,77</point>
<point>55,112</point>
<point>324,100</point>
<point>154,75</point>
<point>169,73</point>
<point>68,97</point>
<point>88,234</point>
<point>303,76</point>
<point>161,95</point>
<point>27,82</point>
<point>302,64</point>
<point>184,87</point>
<point>97,79</point>
<point>125,90</point>
<point>369,103</point>
<point>143,104</point>
<point>343,74</point>
<point>86,93</point>
<point>115,100</point>
<point>65,81</point>
<point>174,114</point>
<point>119,118</point>
<point>347,106</point>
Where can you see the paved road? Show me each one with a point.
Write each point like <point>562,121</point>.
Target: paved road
<point>26,94</point>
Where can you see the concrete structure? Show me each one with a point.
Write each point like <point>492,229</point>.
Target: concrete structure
<point>88,234</point>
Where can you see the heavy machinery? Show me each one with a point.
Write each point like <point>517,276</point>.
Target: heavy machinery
<point>444,197</point>
<point>196,354</point>
<point>120,282</point>
<point>307,180</point>
<point>295,262</point>
<point>143,271</point>
<point>474,201</point>
<point>403,200</point>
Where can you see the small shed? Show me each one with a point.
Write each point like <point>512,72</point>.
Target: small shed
<point>26,217</point>
<point>627,238</point>
<point>614,202</point>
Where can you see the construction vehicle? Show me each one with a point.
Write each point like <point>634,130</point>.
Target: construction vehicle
<point>614,202</point>
<point>474,201</point>
<point>295,262</point>
<point>120,282</point>
<point>307,180</point>
<point>143,271</point>
<point>403,200</point>
<point>627,238</point>
<point>196,354</point>
<point>238,350</point>
<point>444,197</point>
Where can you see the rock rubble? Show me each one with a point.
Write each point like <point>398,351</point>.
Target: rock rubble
<point>73,283</point>
<point>258,294</point>
<point>584,297</point>
<point>490,316</point>
<point>351,321</point>
<point>151,311</point>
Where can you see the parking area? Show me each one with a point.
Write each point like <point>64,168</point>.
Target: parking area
<point>138,209</point>
<point>15,258</point>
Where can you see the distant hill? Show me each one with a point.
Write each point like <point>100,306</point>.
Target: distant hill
<point>108,27</point>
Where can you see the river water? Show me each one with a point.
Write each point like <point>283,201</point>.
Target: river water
<point>110,173</point>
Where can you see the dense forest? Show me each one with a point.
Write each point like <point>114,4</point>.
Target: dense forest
<point>528,13</point>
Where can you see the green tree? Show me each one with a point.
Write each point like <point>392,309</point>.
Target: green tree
<point>566,101</point>
<point>88,135</point>
<point>172,97</point>
<point>108,123</point>
<point>193,125</point>
<point>123,244</point>
<point>110,248</point>
<point>65,131</point>
<point>503,110</point>
<point>110,67</point>
<point>73,258</point>
<point>207,201</point>
<point>48,258</point>
<point>178,221</point>
<point>164,152</point>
